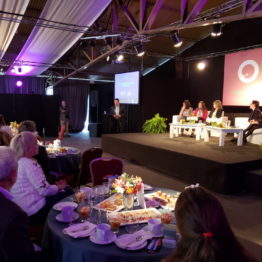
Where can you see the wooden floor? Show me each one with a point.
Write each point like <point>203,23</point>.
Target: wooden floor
<point>244,211</point>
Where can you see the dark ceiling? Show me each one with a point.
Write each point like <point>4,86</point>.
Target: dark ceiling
<point>147,21</point>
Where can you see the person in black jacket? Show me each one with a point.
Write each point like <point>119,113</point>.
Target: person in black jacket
<point>255,119</point>
<point>217,110</point>
<point>117,113</point>
<point>15,244</point>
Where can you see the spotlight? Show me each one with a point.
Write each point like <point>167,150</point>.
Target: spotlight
<point>13,70</point>
<point>19,69</point>
<point>201,66</point>
<point>216,30</point>
<point>120,57</point>
<point>177,41</point>
<point>19,83</point>
<point>119,41</point>
<point>107,58</point>
<point>139,49</point>
<point>109,41</point>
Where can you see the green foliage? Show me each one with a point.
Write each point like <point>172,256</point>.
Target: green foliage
<point>155,125</point>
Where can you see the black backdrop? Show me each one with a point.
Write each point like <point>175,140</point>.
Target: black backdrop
<point>44,110</point>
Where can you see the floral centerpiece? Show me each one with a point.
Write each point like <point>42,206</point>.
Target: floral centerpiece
<point>127,184</point>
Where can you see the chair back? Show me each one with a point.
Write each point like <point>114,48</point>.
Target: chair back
<point>88,155</point>
<point>101,167</point>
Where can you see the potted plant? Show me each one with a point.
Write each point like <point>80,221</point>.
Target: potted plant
<point>155,125</point>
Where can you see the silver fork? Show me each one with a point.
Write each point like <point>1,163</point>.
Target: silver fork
<point>137,239</point>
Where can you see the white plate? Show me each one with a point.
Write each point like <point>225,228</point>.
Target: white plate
<point>111,199</point>
<point>94,239</point>
<point>119,242</point>
<point>60,218</point>
<point>60,205</point>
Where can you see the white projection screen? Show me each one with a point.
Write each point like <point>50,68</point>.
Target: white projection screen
<point>243,78</point>
<point>127,87</point>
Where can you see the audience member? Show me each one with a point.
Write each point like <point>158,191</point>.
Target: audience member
<point>42,156</point>
<point>205,233</point>
<point>255,119</point>
<point>4,127</point>
<point>31,191</point>
<point>15,244</point>
<point>217,110</point>
<point>186,109</point>
<point>5,138</point>
<point>201,111</point>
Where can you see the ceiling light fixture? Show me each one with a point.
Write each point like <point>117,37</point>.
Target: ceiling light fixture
<point>119,57</point>
<point>139,49</point>
<point>217,30</point>
<point>177,40</point>
<point>201,66</point>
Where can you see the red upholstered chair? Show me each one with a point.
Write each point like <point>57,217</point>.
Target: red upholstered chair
<point>101,167</point>
<point>88,155</point>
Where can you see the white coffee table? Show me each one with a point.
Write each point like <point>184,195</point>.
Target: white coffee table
<point>222,132</point>
<point>175,128</point>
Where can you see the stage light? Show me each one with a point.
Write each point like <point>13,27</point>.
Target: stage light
<point>107,58</point>
<point>217,30</point>
<point>19,83</point>
<point>119,57</point>
<point>19,69</point>
<point>109,41</point>
<point>13,70</point>
<point>201,66</point>
<point>175,37</point>
<point>119,41</point>
<point>139,49</point>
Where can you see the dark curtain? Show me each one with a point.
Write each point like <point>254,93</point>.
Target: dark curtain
<point>31,85</point>
<point>75,93</point>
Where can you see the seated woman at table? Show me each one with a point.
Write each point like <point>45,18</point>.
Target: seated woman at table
<point>4,127</point>
<point>5,138</point>
<point>206,235</point>
<point>186,109</point>
<point>217,110</point>
<point>42,156</point>
<point>31,191</point>
<point>201,111</point>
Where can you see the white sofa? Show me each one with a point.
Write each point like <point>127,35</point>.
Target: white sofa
<point>256,137</point>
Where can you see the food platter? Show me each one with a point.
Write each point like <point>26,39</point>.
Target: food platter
<point>111,204</point>
<point>137,216</point>
<point>162,199</point>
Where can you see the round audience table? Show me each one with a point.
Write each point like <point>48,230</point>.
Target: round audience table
<point>65,163</point>
<point>63,248</point>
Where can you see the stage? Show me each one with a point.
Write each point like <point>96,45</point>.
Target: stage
<point>221,169</point>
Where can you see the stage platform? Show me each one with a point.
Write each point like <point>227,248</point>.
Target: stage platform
<point>221,169</point>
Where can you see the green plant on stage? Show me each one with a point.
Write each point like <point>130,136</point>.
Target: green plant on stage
<point>155,125</point>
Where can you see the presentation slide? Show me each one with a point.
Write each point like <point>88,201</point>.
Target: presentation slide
<point>127,87</point>
<point>243,78</point>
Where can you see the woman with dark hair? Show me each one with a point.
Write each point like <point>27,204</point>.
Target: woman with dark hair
<point>205,232</point>
<point>186,109</point>
<point>3,125</point>
<point>201,111</point>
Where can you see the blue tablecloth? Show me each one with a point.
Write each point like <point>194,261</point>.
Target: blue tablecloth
<point>66,249</point>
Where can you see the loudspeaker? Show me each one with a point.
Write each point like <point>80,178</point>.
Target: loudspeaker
<point>95,129</point>
<point>93,98</point>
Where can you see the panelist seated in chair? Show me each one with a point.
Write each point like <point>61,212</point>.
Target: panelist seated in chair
<point>255,119</point>
<point>186,109</point>
<point>201,111</point>
<point>217,110</point>
<point>117,113</point>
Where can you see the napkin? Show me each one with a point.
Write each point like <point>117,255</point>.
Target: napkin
<point>79,230</point>
<point>129,240</point>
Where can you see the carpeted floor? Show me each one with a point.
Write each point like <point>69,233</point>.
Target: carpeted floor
<point>244,211</point>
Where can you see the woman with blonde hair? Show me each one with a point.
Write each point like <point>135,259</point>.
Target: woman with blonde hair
<point>217,110</point>
<point>31,191</point>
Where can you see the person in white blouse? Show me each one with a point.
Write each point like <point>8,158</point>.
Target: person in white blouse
<point>31,191</point>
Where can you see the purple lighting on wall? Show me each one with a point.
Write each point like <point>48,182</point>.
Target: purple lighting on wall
<point>19,83</point>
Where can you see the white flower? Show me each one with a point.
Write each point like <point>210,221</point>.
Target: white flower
<point>192,186</point>
<point>119,189</point>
